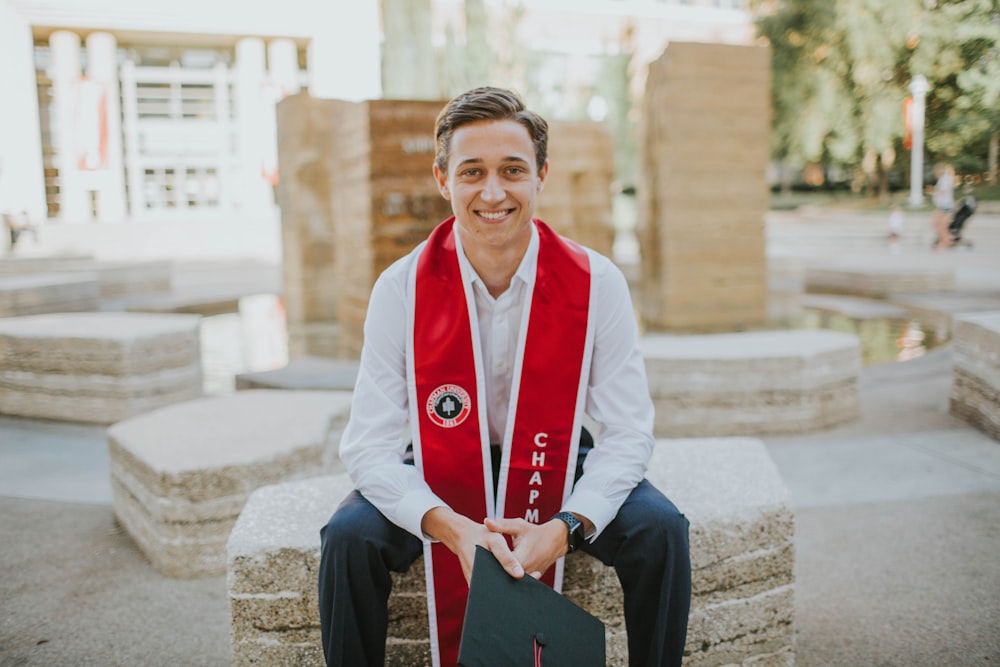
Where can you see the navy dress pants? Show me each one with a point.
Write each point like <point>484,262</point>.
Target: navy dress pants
<point>646,543</point>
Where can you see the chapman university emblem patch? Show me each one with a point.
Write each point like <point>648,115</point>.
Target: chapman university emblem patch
<point>448,405</point>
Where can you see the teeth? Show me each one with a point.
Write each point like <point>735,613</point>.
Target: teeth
<point>493,216</point>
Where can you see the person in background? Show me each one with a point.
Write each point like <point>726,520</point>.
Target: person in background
<point>943,197</point>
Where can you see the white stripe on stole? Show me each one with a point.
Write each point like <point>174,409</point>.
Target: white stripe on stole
<point>418,460</point>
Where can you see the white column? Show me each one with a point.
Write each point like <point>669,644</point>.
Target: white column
<point>74,204</point>
<point>130,118</point>
<point>345,59</point>
<point>254,193</point>
<point>283,65</point>
<point>227,180</point>
<point>283,80</point>
<point>919,88</point>
<point>22,175</point>
<point>102,70</point>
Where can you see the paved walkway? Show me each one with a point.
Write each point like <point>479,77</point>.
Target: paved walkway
<point>897,519</point>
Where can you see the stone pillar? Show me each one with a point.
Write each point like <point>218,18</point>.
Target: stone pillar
<point>705,150</point>
<point>345,52</point>
<point>22,176</point>
<point>73,197</point>
<point>385,200</point>
<point>109,181</point>
<point>253,194</point>
<point>576,201</point>
<point>309,280</point>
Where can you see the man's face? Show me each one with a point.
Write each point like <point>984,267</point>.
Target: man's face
<point>492,182</point>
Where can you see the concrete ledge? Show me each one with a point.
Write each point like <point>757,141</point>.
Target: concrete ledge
<point>975,390</point>
<point>97,367</point>
<point>879,280</point>
<point>115,279</point>
<point>181,475</point>
<point>742,530</point>
<point>39,293</point>
<point>752,383</point>
<point>304,373</point>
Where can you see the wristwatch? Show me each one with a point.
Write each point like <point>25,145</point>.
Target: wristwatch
<point>576,537</point>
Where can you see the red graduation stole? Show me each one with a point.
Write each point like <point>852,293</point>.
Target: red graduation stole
<point>451,443</point>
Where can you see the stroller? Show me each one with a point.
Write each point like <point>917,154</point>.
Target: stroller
<point>958,221</point>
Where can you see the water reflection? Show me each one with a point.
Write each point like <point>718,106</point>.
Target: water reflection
<point>253,339</point>
<point>882,339</point>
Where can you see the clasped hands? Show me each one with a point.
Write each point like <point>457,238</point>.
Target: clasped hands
<point>532,548</point>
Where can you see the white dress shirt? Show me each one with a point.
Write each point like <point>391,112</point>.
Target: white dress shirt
<point>618,401</point>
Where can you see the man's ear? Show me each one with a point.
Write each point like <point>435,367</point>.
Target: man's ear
<point>442,182</point>
<point>542,173</point>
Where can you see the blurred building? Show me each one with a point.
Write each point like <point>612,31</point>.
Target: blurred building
<point>125,111</point>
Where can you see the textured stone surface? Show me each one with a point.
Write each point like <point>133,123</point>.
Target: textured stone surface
<point>752,383</point>
<point>704,264</point>
<point>879,279</point>
<point>975,390</point>
<point>97,367</point>
<point>742,530</point>
<point>181,475</point>
<point>35,294</point>
<point>115,279</point>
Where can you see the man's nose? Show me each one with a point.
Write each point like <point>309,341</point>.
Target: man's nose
<point>493,190</point>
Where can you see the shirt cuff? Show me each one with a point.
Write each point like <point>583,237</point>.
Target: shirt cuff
<point>593,506</point>
<point>413,506</point>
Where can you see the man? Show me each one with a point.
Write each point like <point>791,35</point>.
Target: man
<point>484,348</point>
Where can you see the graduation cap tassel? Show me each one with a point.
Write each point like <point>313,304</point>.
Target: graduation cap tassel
<point>539,643</point>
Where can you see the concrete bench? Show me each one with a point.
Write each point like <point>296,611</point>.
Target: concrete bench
<point>880,279</point>
<point>97,367</point>
<point>115,279</point>
<point>975,389</point>
<point>180,475</point>
<point>39,293</point>
<point>742,529</point>
<point>752,383</point>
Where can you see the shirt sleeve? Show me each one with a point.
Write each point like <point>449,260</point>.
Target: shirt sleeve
<point>377,434</point>
<point>618,401</point>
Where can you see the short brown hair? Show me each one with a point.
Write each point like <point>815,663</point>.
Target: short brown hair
<point>487,103</point>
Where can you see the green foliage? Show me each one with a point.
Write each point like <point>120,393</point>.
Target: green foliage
<point>841,73</point>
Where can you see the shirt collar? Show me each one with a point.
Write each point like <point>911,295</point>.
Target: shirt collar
<point>525,270</point>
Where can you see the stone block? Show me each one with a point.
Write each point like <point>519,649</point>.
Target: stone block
<point>40,293</point>
<point>180,475</point>
<point>742,534</point>
<point>881,279</point>
<point>752,383</point>
<point>703,253</point>
<point>576,201</point>
<point>975,389</point>
<point>115,279</point>
<point>304,373</point>
<point>97,367</point>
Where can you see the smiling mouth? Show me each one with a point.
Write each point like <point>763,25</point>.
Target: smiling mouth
<point>494,215</point>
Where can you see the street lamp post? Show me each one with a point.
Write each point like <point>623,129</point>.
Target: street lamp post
<point>918,88</point>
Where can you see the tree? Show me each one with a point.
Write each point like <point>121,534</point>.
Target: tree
<point>841,72</point>
<point>959,52</point>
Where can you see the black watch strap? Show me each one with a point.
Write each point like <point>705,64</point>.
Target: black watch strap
<point>576,536</point>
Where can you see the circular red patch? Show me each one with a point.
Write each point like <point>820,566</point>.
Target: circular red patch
<point>449,405</point>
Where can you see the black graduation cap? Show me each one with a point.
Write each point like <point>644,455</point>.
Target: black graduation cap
<point>512,621</point>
